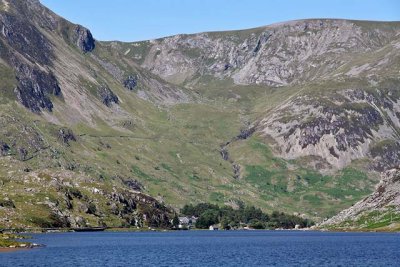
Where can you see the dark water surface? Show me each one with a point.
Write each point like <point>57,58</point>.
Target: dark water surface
<point>210,248</point>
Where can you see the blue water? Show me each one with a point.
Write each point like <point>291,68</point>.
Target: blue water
<point>210,248</point>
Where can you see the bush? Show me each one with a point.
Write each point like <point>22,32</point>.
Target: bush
<point>91,208</point>
<point>7,203</point>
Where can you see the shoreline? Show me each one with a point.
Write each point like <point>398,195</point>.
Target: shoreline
<point>4,250</point>
<point>123,229</point>
<point>21,246</point>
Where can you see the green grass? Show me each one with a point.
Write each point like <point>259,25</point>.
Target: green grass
<point>297,188</point>
<point>8,240</point>
<point>384,219</point>
<point>7,84</point>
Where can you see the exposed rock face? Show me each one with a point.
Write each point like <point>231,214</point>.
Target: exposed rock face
<point>386,155</point>
<point>22,36</point>
<point>387,194</point>
<point>133,184</point>
<point>276,55</point>
<point>66,135</point>
<point>243,135</point>
<point>83,39</point>
<point>246,133</point>
<point>130,82</point>
<point>35,87</point>
<point>338,128</point>
<point>107,96</point>
<point>139,209</point>
<point>25,47</point>
<point>4,148</point>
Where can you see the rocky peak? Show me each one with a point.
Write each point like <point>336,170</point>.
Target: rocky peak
<point>83,39</point>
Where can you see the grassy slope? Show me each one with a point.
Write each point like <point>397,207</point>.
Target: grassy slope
<point>384,219</point>
<point>174,153</point>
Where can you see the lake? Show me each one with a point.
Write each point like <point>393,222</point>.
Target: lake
<point>210,248</point>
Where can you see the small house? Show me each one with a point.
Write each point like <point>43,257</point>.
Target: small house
<point>183,222</point>
<point>214,227</point>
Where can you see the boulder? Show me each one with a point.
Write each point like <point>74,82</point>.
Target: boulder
<point>107,96</point>
<point>130,82</point>
<point>4,148</point>
<point>66,135</point>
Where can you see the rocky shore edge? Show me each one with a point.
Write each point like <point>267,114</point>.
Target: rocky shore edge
<point>11,242</point>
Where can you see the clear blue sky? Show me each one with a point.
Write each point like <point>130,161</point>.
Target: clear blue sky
<point>133,20</point>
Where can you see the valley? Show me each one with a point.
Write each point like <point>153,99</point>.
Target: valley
<point>300,117</point>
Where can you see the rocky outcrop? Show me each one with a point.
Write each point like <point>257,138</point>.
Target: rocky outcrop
<point>133,184</point>
<point>386,155</point>
<point>19,139</point>
<point>243,135</point>
<point>66,135</point>
<point>35,88</point>
<point>331,104</point>
<point>74,207</point>
<point>386,196</point>
<point>83,39</point>
<point>23,37</point>
<point>4,148</point>
<point>130,82</point>
<point>25,49</point>
<point>107,96</point>
<point>338,128</point>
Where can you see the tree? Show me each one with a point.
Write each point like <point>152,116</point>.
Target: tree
<point>257,224</point>
<point>175,222</point>
<point>225,223</point>
<point>207,218</point>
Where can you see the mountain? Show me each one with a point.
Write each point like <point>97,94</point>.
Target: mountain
<point>299,117</point>
<point>332,64</point>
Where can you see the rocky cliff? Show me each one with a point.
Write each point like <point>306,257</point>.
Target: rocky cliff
<point>339,127</point>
